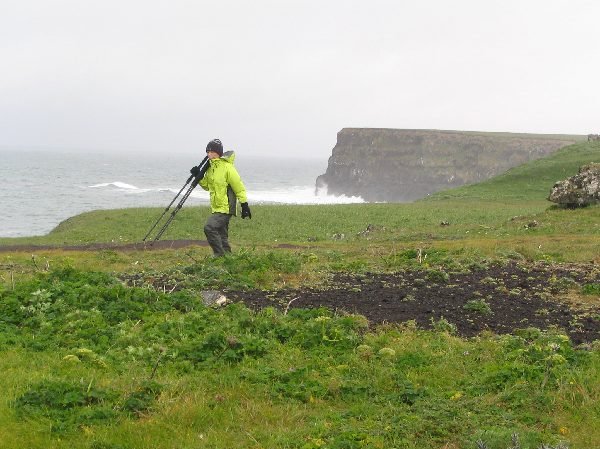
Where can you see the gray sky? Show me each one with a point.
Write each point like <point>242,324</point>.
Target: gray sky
<point>283,77</point>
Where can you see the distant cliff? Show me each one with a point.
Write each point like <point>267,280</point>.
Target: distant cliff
<point>400,165</point>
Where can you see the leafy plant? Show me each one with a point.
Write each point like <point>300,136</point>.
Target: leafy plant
<point>70,404</point>
<point>443,325</point>
<point>534,356</point>
<point>438,276</point>
<point>142,399</point>
<point>245,269</point>
<point>67,404</point>
<point>478,306</point>
<point>591,289</point>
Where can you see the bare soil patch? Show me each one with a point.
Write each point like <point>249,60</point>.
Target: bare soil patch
<point>138,246</point>
<point>517,296</point>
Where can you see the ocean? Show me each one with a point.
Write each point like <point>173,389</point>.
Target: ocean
<point>42,188</point>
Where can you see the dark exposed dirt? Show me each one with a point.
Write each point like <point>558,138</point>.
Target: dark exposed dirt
<point>138,246</point>
<point>518,297</point>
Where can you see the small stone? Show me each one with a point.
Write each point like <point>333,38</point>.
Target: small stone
<point>213,298</point>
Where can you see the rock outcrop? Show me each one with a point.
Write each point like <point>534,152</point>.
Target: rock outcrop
<point>400,165</point>
<point>580,190</point>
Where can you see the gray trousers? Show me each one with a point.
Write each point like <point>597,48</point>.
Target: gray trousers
<point>216,230</point>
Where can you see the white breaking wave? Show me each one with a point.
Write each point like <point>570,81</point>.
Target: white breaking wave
<point>289,195</point>
<point>129,188</point>
<point>118,184</point>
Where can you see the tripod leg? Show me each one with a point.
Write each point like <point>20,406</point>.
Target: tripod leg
<point>179,206</point>
<point>203,167</point>
<point>167,209</point>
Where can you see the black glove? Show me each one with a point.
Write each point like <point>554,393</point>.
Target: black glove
<point>245,210</point>
<point>195,171</point>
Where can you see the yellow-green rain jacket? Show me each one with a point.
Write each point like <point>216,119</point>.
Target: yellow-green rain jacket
<point>224,184</point>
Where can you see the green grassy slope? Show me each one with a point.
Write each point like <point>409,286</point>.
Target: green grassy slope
<point>91,364</point>
<point>531,181</point>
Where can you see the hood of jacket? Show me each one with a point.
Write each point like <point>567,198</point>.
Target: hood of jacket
<point>228,157</point>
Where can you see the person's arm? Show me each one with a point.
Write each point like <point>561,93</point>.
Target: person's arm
<point>203,183</point>
<point>236,184</point>
<point>234,180</point>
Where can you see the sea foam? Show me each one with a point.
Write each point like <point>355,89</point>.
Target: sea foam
<point>118,184</point>
<point>288,195</point>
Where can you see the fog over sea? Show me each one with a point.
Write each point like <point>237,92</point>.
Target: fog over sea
<point>42,188</point>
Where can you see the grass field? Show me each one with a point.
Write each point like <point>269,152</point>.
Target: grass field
<point>88,362</point>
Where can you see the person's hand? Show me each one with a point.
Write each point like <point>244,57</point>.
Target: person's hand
<point>195,170</point>
<point>246,210</point>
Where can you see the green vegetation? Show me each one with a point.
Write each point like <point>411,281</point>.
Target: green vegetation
<point>591,289</point>
<point>531,181</point>
<point>114,349</point>
<point>478,306</point>
<point>88,362</point>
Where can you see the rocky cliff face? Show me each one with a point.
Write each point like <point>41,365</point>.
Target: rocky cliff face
<point>401,165</point>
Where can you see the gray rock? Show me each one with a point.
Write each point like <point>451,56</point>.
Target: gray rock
<point>580,190</point>
<point>213,298</point>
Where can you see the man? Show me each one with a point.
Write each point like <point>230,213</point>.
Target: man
<point>225,186</point>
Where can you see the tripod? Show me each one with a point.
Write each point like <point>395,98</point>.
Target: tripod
<point>194,179</point>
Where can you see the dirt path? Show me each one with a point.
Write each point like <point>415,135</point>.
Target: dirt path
<point>139,246</point>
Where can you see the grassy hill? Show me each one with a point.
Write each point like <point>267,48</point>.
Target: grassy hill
<point>531,181</point>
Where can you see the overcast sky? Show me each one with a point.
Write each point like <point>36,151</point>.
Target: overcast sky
<point>283,77</point>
